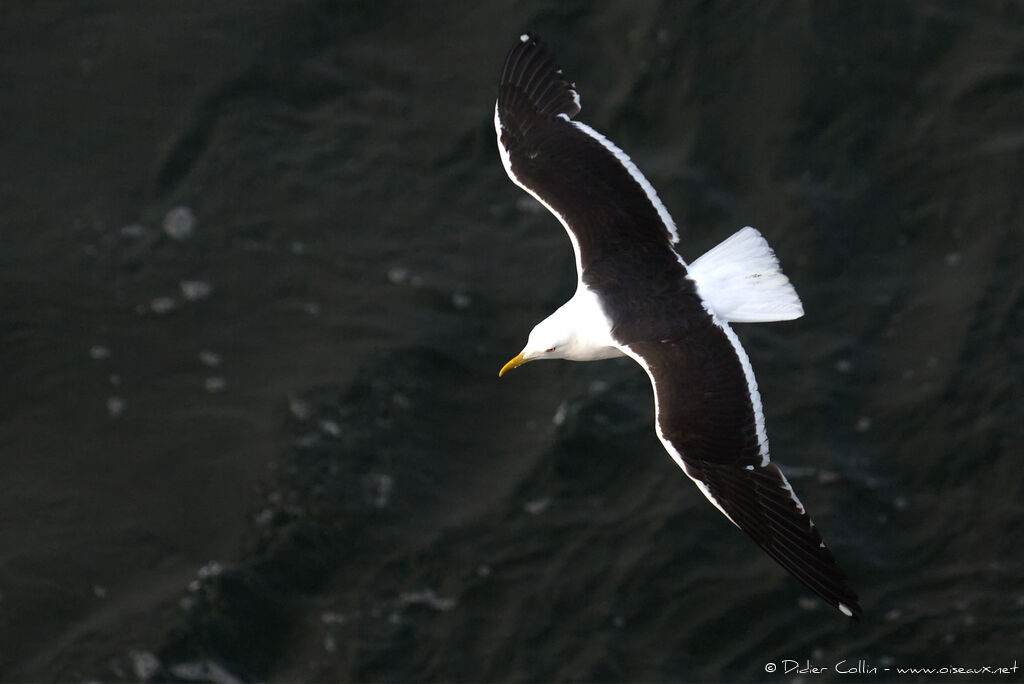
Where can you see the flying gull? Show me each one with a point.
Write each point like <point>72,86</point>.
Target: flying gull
<point>636,296</point>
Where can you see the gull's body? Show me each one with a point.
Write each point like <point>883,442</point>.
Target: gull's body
<point>637,297</point>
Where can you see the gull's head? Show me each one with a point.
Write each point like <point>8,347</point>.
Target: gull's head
<point>548,340</point>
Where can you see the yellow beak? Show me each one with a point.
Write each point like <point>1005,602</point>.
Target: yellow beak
<point>514,363</point>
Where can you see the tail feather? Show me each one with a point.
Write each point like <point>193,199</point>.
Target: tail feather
<point>742,281</point>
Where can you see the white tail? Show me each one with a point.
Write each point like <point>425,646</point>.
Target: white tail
<point>740,279</point>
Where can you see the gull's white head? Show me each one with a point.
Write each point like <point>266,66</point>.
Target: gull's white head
<point>549,339</point>
<point>578,331</point>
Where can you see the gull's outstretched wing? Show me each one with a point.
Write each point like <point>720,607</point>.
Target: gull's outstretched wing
<point>709,419</point>
<point>587,182</point>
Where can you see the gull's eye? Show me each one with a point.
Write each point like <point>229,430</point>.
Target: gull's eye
<point>550,350</point>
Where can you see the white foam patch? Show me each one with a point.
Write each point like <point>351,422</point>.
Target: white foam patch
<point>507,163</point>
<point>742,281</point>
<point>524,38</point>
<point>633,171</point>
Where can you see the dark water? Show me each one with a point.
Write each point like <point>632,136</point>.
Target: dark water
<point>311,471</point>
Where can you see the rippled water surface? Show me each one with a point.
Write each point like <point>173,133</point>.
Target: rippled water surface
<point>261,265</point>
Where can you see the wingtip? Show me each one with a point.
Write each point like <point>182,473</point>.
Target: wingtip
<point>850,610</point>
<point>531,69</point>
